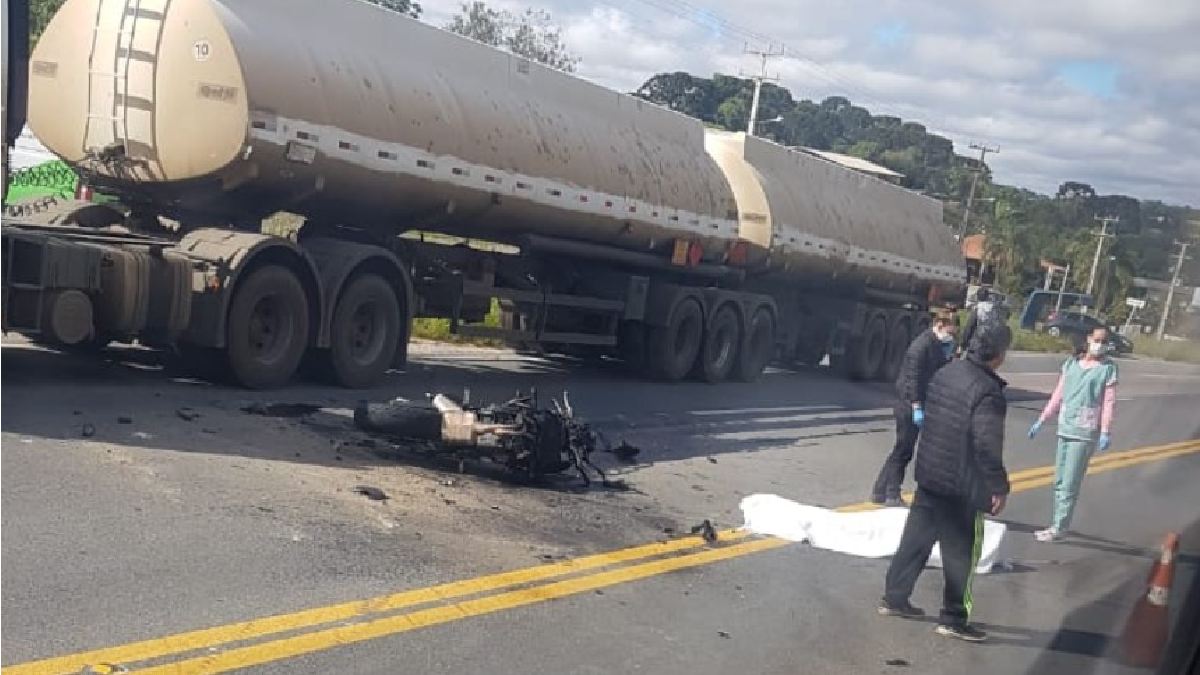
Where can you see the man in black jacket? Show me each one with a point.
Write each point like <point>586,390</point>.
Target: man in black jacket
<point>928,352</point>
<point>960,475</point>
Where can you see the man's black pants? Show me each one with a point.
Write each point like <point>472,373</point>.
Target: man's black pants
<point>891,476</point>
<point>957,526</point>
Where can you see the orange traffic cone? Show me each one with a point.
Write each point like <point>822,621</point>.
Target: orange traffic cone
<point>1145,635</point>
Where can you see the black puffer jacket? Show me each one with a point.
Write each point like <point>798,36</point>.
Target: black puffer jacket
<point>922,359</point>
<point>962,442</point>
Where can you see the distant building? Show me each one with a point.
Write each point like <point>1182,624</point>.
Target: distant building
<point>974,250</point>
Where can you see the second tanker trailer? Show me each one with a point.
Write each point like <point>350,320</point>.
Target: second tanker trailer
<point>623,227</point>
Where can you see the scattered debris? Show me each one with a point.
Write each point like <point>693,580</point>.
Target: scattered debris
<point>449,482</point>
<point>209,431</point>
<point>141,435</point>
<point>724,634</point>
<point>372,493</point>
<point>186,414</point>
<point>896,662</point>
<point>626,452</point>
<point>519,434</point>
<point>668,530</point>
<point>286,410</point>
<point>124,420</point>
<point>449,502</point>
<point>76,412</point>
<point>706,531</point>
<point>190,380</point>
<point>88,430</point>
<point>711,460</point>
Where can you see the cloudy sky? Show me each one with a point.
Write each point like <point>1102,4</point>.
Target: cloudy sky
<point>1102,91</point>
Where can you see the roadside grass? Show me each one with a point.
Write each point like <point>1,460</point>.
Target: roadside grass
<point>1033,341</point>
<point>1187,351</point>
<point>438,330</point>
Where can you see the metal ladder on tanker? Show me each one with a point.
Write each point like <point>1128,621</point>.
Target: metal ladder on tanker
<point>109,99</point>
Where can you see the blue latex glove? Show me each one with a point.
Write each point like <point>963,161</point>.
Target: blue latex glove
<point>1104,443</point>
<point>1033,430</point>
<point>918,417</point>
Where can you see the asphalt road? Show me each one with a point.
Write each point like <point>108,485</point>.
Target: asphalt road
<point>138,505</point>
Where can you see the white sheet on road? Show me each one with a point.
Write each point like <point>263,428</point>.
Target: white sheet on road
<point>868,534</point>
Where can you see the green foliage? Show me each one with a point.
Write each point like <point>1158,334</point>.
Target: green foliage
<point>40,13</point>
<point>402,6</point>
<point>439,329</point>
<point>532,34</point>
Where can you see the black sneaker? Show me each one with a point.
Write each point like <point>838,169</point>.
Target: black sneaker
<point>963,631</point>
<point>878,499</point>
<point>904,611</point>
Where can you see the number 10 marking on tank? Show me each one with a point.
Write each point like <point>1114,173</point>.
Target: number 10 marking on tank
<point>201,50</point>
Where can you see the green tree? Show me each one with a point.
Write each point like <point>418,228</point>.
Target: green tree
<point>408,7</point>
<point>40,13</point>
<point>532,35</point>
<point>680,92</point>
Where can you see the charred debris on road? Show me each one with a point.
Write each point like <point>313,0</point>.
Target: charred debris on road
<point>531,441</point>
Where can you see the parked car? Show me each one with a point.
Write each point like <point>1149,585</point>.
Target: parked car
<point>1077,325</point>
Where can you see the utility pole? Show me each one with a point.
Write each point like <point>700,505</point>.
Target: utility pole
<point>1162,322</point>
<point>1100,236</point>
<point>761,77</point>
<point>983,151</point>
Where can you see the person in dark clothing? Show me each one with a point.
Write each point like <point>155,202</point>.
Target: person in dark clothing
<point>989,310</point>
<point>960,475</point>
<point>928,352</point>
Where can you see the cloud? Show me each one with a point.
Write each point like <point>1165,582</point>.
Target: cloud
<point>951,53</point>
<point>1103,91</point>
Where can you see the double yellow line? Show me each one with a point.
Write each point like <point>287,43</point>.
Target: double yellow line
<point>1041,476</point>
<point>249,643</point>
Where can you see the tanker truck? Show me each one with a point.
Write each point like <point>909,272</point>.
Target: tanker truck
<point>610,225</point>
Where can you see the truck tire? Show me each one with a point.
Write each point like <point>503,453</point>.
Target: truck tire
<point>400,418</point>
<point>722,341</point>
<point>869,351</point>
<point>364,332</point>
<point>896,347</point>
<point>758,349</point>
<point>672,349</point>
<point>267,329</point>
